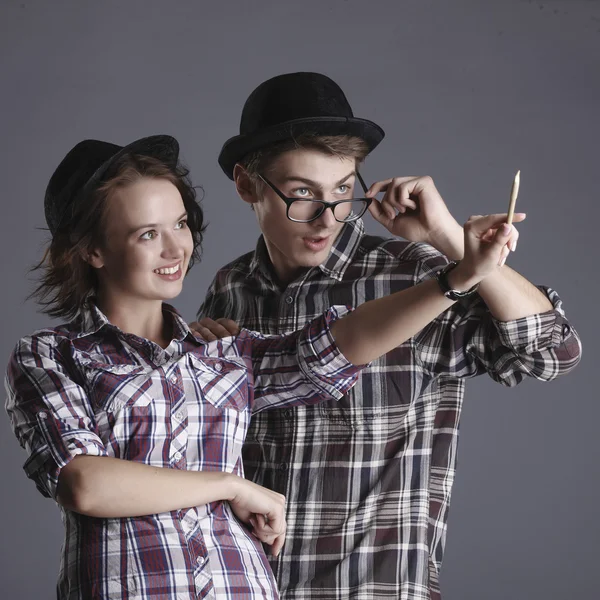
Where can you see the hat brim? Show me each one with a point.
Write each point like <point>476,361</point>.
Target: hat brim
<point>235,148</point>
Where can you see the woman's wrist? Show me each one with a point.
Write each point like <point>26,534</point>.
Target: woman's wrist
<point>462,279</point>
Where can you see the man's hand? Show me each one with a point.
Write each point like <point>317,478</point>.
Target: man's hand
<point>210,330</point>
<point>264,510</point>
<point>412,208</point>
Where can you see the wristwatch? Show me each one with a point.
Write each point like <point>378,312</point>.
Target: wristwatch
<point>442,279</point>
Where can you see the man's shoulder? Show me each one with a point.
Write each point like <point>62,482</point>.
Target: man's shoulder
<point>238,266</point>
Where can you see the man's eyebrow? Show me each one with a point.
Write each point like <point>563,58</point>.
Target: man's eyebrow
<point>153,225</point>
<point>312,183</point>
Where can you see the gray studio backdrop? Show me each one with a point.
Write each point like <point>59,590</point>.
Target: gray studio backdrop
<point>468,92</point>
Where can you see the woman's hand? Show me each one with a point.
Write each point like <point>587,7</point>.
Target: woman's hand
<point>263,509</point>
<point>488,242</point>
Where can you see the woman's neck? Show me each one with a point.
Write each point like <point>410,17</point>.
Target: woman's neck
<point>144,319</point>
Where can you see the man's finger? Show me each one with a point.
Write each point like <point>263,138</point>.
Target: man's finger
<point>231,326</point>
<point>377,212</point>
<point>382,186</point>
<point>399,197</point>
<point>206,334</point>
<point>194,325</point>
<point>215,327</point>
<point>378,186</point>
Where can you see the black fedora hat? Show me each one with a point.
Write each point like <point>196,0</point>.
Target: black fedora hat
<point>83,168</point>
<point>288,105</point>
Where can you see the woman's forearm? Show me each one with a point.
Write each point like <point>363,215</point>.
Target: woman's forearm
<point>100,486</point>
<point>378,326</point>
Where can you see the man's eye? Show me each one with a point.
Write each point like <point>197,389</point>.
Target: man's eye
<point>148,235</point>
<point>301,192</point>
<point>344,188</point>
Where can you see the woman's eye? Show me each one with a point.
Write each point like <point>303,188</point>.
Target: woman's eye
<point>148,235</point>
<point>182,224</point>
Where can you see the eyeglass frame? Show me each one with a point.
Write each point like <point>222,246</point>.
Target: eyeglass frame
<point>289,201</point>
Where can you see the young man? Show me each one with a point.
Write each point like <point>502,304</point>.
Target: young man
<point>368,479</point>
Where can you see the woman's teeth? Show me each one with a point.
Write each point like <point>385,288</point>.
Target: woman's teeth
<point>168,271</point>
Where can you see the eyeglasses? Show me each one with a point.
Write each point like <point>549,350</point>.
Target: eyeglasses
<point>305,211</point>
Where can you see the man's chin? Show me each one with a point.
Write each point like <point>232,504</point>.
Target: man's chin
<point>311,261</point>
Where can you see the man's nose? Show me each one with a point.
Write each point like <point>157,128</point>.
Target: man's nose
<point>326,218</point>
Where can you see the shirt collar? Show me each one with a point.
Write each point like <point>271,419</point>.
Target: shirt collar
<point>340,257</point>
<point>343,250</point>
<point>92,319</point>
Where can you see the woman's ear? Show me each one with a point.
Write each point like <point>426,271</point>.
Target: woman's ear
<point>244,185</point>
<point>93,257</point>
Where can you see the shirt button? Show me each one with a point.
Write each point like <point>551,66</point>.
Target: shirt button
<point>200,560</point>
<point>174,379</point>
<point>283,467</point>
<point>219,367</point>
<point>287,413</point>
<point>180,416</point>
<point>566,330</point>
<point>177,456</point>
<point>43,415</point>
<point>289,299</point>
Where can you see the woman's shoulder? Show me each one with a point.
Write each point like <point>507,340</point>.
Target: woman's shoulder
<point>47,342</point>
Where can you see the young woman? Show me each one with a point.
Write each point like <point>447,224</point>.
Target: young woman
<point>134,425</point>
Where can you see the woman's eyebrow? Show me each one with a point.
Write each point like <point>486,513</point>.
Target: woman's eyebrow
<point>152,225</point>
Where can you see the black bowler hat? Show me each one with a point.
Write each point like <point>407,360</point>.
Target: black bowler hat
<point>288,105</point>
<point>83,168</point>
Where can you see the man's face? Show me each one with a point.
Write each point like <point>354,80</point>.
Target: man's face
<point>304,174</point>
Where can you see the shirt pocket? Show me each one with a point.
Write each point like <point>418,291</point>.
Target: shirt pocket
<point>364,403</point>
<point>113,387</point>
<point>222,382</point>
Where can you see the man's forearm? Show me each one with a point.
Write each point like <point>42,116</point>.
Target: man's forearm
<point>507,294</point>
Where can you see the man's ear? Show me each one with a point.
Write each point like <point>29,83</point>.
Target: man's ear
<point>244,185</point>
<point>93,257</point>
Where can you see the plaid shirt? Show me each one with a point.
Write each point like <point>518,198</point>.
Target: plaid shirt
<point>368,479</point>
<point>88,388</point>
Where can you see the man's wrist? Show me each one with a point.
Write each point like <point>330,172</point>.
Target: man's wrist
<point>449,241</point>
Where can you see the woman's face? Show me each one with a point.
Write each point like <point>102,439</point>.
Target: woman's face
<point>147,244</point>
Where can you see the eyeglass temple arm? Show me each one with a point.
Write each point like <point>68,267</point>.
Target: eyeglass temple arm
<point>362,182</point>
<point>277,191</point>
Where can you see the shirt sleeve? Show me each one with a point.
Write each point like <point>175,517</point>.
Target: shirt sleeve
<point>467,340</point>
<point>49,412</point>
<point>304,367</point>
